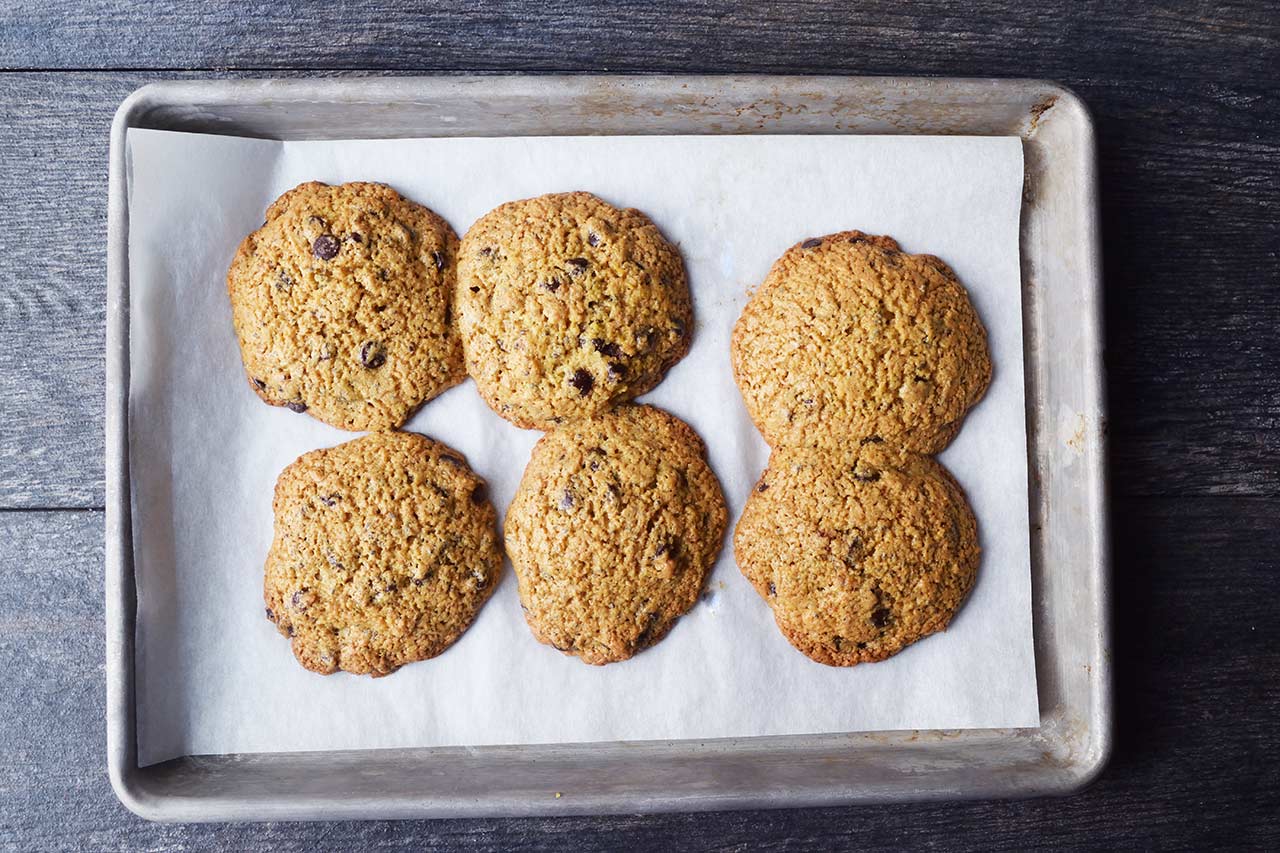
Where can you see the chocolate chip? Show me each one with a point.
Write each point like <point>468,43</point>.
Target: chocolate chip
<point>329,500</point>
<point>419,581</point>
<point>383,275</point>
<point>325,247</point>
<point>296,600</point>
<point>582,381</point>
<point>858,238</point>
<point>773,590</point>
<point>668,545</point>
<point>647,634</point>
<point>838,642</point>
<point>865,476</point>
<point>677,327</point>
<point>872,439</point>
<point>566,499</point>
<point>593,239</point>
<point>854,552</point>
<point>861,645</point>
<point>479,494</point>
<point>606,347</point>
<point>448,316</point>
<point>762,486</point>
<point>450,459</point>
<point>481,580</point>
<point>438,257</point>
<point>284,281</point>
<point>259,384</point>
<point>811,243</point>
<point>271,615</point>
<point>390,588</point>
<point>617,371</point>
<point>614,491</point>
<point>355,237</point>
<point>577,266</point>
<point>552,285</point>
<point>378,309</point>
<point>486,251</point>
<point>474,289</point>
<point>373,355</point>
<point>296,406</point>
<point>880,617</point>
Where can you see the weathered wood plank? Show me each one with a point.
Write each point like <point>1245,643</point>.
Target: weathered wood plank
<point>1198,656</point>
<point>1189,237</point>
<point>978,38</point>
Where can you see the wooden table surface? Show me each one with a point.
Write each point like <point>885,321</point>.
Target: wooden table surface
<point>1184,95</point>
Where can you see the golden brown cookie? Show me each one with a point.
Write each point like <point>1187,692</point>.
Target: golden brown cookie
<point>568,305</point>
<point>616,523</point>
<point>342,304</point>
<point>859,552</point>
<point>851,338</point>
<point>385,548</point>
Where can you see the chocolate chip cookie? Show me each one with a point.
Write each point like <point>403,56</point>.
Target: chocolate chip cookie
<point>342,305</point>
<point>615,525</point>
<point>568,305</point>
<point>385,548</point>
<point>859,551</point>
<point>849,338</point>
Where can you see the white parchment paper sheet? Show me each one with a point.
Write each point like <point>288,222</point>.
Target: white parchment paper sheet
<point>213,676</point>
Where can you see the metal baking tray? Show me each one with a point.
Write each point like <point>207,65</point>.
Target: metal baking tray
<point>1066,430</point>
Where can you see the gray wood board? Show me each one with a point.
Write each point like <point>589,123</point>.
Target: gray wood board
<point>1189,237</point>
<point>1197,707</point>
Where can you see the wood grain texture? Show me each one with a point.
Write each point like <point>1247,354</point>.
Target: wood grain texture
<point>1196,680</point>
<point>1183,96</point>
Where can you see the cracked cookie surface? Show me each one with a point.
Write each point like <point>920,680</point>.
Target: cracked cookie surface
<point>385,548</point>
<point>616,523</point>
<point>568,305</point>
<point>342,305</point>
<point>851,338</point>
<point>858,552</point>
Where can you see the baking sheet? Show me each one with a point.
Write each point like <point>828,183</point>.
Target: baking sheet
<point>214,677</point>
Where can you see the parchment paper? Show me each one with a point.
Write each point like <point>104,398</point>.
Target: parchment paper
<point>213,676</point>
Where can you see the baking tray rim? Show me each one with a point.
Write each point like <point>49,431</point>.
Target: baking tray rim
<point>1064,773</point>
